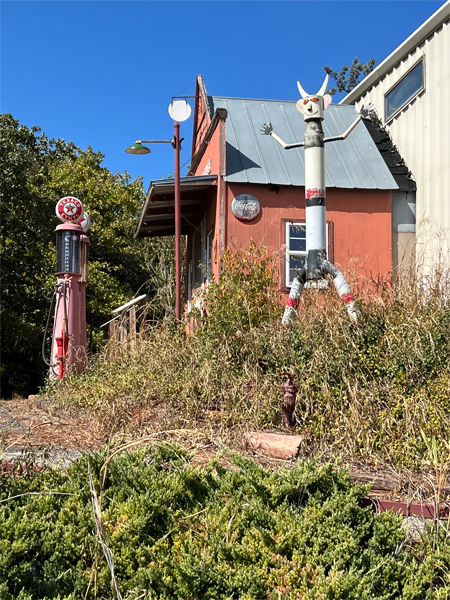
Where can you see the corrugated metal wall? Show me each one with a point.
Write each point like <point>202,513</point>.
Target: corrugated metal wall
<point>421,131</point>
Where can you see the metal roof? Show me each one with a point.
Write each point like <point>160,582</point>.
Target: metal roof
<point>158,213</point>
<point>255,158</point>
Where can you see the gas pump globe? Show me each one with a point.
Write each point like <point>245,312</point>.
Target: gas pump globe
<point>69,341</point>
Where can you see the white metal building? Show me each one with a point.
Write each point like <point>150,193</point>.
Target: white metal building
<point>410,90</point>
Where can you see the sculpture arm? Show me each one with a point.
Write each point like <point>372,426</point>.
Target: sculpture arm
<point>268,130</point>
<point>346,133</point>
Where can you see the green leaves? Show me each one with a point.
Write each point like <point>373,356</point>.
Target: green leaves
<point>349,76</point>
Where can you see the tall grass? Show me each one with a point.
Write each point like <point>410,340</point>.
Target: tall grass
<point>374,392</point>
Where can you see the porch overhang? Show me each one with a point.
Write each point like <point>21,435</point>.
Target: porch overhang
<point>158,213</point>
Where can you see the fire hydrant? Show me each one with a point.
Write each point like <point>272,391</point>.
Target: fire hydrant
<point>290,390</point>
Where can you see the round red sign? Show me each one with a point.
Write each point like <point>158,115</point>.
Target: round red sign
<point>245,207</point>
<point>69,209</point>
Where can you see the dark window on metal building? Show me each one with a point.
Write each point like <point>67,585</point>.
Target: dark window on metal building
<point>405,90</point>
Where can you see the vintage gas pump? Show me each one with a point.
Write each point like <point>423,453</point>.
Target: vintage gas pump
<point>69,330</point>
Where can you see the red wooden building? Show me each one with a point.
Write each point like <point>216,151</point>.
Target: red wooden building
<point>233,164</point>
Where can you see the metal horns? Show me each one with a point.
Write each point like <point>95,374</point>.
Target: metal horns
<point>321,92</point>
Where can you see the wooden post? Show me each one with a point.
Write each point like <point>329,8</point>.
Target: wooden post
<point>142,314</point>
<point>132,329</point>
<point>112,340</point>
<point>122,333</point>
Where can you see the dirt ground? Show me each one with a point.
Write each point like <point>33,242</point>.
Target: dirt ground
<point>33,425</point>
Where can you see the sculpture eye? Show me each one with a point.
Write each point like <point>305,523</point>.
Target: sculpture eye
<point>305,101</point>
<point>315,99</point>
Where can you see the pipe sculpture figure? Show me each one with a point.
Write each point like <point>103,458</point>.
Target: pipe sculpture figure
<point>317,266</point>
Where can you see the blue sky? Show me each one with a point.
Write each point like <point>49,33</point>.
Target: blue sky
<point>103,73</point>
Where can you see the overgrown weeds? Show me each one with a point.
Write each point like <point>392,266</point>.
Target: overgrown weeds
<point>366,392</point>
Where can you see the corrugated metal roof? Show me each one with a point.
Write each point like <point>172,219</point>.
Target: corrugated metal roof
<point>158,213</point>
<point>255,158</point>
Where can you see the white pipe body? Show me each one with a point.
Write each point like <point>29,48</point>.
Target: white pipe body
<point>314,190</point>
<point>316,230</point>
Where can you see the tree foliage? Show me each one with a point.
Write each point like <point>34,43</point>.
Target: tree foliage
<point>349,76</point>
<point>36,173</point>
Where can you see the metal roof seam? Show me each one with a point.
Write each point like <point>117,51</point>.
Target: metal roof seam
<point>256,142</point>
<point>278,147</point>
<point>230,122</point>
<point>335,148</point>
<point>299,152</point>
<point>352,141</point>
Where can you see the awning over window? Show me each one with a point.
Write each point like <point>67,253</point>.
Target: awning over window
<point>158,215</point>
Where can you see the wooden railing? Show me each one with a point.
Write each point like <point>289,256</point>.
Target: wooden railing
<point>124,328</point>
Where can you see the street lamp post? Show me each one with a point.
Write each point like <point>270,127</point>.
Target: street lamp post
<point>179,110</point>
<point>176,137</point>
<point>139,148</point>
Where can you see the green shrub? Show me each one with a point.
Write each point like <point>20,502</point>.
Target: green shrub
<point>180,531</point>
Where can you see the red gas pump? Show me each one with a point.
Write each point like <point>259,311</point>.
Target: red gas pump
<point>69,350</point>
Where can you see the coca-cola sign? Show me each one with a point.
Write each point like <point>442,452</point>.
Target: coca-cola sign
<point>245,207</point>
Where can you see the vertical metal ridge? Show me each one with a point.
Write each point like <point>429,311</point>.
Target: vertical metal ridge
<point>334,146</point>
<point>278,147</point>
<point>256,142</point>
<point>352,140</point>
<point>230,121</point>
<point>298,152</point>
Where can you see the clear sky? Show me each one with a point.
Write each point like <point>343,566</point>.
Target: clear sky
<point>103,73</point>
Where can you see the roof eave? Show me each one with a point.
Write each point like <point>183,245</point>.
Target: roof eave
<point>160,184</point>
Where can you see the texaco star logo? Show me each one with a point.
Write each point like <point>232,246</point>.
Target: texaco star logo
<point>69,209</point>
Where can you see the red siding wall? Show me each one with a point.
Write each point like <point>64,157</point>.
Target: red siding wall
<point>359,225</point>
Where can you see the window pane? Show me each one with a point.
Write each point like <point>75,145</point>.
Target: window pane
<point>296,263</point>
<point>298,231</point>
<point>405,90</point>
<point>297,245</point>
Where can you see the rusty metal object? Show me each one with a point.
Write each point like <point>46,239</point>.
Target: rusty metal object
<point>290,390</point>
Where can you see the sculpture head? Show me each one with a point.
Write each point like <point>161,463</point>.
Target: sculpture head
<point>312,106</point>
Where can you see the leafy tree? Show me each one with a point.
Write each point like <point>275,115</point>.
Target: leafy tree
<point>36,173</point>
<point>350,75</point>
<point>27,255</point>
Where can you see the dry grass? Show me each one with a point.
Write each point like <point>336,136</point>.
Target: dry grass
<point>376,393</point>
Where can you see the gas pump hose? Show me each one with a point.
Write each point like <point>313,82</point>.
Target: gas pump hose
<point>57,290</point>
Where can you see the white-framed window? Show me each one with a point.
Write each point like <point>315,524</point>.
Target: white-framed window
<point>296,249</point>
<point>405,90</point>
